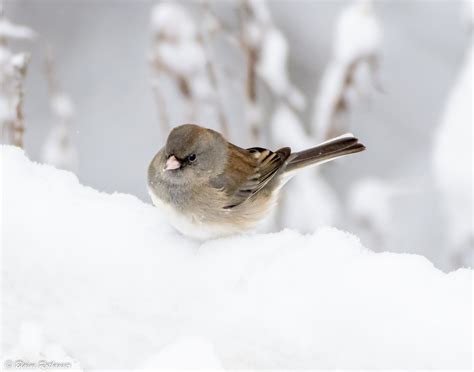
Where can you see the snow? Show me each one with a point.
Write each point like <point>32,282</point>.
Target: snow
<point>62,106</point>
<point>10,67</point>
<point>12,72</point>
<point>272,67</point>
<point>287,130</point>
<point>20,61</point>
<point>452,158</point>
<point>370,202</point>
<point>261,11</point>
<point>309,191</point>
<point>330,90</point>
<point>176,36</point>
<point>253,113</point>
<point>34,349</point>
<point>7,113</point>
<point>187,57</point>
<point>272,64</point>
<point>273,58</point>
<point>253,34</point>
<point>186,353</point>
<point>356,44</point>
<point>58,150</point>
<point>171,20</point>
<point>179,51</point>
<point>357,32</point>
<point>11,30</point>
<point>108,281</point>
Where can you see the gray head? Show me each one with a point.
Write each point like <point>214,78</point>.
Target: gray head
<point>192,153</point>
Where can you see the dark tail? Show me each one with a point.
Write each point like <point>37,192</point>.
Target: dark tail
<point>326,151</point>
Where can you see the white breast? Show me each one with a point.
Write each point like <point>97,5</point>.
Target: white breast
<point>190,225</point>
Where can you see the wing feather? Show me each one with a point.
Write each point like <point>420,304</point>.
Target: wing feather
<point>265,166</point>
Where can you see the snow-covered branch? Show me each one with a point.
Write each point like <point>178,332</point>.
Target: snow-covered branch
<point>58,148</point>
<point>181,50</point>
<point>353,66</point>
<point>13,69</point>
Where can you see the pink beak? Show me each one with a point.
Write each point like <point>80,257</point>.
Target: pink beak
<point>172,163</point>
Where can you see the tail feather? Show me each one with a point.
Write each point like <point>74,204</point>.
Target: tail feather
<point>326,151</point>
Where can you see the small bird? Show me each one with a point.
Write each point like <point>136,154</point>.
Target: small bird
<point>210,188</point>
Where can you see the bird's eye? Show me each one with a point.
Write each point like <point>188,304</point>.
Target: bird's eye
<point>192,157</point>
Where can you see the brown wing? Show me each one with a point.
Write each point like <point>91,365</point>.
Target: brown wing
<point>252,170</point>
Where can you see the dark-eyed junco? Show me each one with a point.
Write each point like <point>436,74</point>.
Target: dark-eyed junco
<point>211,188</point>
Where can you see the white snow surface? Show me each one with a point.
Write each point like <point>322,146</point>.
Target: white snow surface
<point>32,348</point>
<point>186,353</point>
<point>109,281</point>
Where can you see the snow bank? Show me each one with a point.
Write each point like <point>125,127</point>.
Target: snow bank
<point>105,278</point>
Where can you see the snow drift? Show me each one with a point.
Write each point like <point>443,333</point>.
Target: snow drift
<point>104,277</point>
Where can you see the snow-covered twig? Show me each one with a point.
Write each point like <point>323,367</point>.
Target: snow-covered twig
<point>179,51</point>
<point>250,39</point>
<point>174,53</point>
<point>266,49</point>
<point>58,148</point>
<point>182,51</point>
<point>13,69</point>
<point>10,30</point>
<point>209,26</point>
<point>355,55</point>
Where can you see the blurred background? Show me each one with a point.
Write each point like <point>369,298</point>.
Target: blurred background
<point>95,86</point>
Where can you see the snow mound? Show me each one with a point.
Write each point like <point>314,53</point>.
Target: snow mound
<point>186,353</point>
<point>105,278</point>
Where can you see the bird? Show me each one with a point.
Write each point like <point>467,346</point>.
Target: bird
<point>210,188</point>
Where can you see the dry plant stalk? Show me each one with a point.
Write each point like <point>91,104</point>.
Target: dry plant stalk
<point>251,54</point>
<point>183,82</point>
<point>160,103</point>
<point>205,40</point>
<point>356,47</point>
<point>341,106</point>
<point>13,70</point>
<point>159,69</point>
<point>18,125</point>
